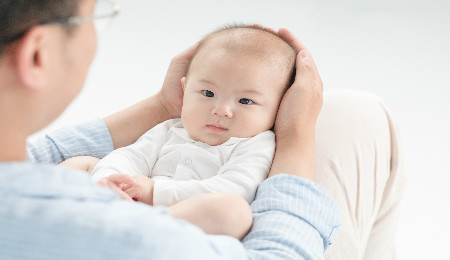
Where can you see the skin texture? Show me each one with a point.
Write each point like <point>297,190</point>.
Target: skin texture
<point>235,84</point>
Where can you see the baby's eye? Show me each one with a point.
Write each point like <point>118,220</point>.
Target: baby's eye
<point>246,101</point>
<point>208,93</point>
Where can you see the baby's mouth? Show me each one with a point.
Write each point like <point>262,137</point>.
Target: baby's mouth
<point>217,128</point>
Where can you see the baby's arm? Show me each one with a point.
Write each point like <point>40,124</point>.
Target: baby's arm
<point>246,168</point>
<point>210,203</point>
<point>214,213</point>
<point>134,159</point>
<point>84,163</point>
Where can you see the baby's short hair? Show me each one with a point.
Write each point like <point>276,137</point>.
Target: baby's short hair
<point>256,41</point>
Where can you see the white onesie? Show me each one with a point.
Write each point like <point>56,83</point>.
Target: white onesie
<point>182,167</point>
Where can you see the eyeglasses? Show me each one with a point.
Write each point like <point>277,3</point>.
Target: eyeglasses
<point>104,13</point>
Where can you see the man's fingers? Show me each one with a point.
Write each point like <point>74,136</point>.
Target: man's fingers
<point>287,35</point>
<point>305,66</point>
<point>114,187</point>
<point>290,37</point>
<point>121,179</point>
<point>103,182</point>
<point>122,194</point>
<point>257,25</point>
<point>307,76</point>
<point>133,192</point>
<point>186,55</point>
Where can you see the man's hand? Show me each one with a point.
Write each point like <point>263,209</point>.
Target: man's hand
<point>297,116</point>
<point>128,125</point>
<point>116,183</point>
<point>132,188</point>
<point>303,101</point>
<point>171,93</point>
<point>141,190</point>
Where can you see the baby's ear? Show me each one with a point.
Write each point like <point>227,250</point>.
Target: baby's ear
<point>183,83</point>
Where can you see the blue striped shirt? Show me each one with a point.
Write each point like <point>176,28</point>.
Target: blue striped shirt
<point>49,212</point>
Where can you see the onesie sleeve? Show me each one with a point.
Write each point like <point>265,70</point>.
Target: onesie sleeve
<point>247,167</point>
<point>137,158</point>
<point>87,139</point>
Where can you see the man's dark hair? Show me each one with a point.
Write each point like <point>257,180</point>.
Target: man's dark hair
<point>18,16</point>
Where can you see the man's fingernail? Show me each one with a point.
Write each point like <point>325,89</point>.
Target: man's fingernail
<point>102,182</point>
<point>304,54</point>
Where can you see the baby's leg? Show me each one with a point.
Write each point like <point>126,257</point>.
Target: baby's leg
<point>216,213</point>
<point>84,163</point>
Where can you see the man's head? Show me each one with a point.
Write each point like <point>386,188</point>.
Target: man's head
<point>43,62</point>
<point>17,16</point>
<point>235,83</point>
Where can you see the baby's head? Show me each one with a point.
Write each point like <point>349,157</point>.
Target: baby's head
<point>235,83</point>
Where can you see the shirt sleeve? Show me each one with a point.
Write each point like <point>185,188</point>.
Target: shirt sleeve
<point>137,158</point>
<point>73,218</point>
<point>87,139</point>
<point>293,218</point>
<point>246,168</point>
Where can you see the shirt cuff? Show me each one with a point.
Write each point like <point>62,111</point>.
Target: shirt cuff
<point>301,198</point>
<point>91,138</point>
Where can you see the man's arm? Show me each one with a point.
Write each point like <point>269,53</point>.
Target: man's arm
<point>98,138</point>
<point>128,125</point>
<point>295,131</point>
<point>88,139</point>
<point>293,216</point>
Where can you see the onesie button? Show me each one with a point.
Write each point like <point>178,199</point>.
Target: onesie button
<point>188,162</point>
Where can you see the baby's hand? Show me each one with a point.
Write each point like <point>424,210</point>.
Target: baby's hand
<point>141,190</point>
<point>118,182</point>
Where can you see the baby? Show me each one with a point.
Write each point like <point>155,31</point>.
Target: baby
<point>222,142</point>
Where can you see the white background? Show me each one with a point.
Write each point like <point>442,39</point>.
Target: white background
<point>398,50</point>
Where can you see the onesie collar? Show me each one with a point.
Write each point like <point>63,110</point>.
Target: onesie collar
<point>180,131</point>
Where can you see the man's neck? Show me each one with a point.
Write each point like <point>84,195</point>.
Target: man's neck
<point>13,146</point>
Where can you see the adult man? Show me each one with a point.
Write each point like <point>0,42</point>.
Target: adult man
<point>50,212</point>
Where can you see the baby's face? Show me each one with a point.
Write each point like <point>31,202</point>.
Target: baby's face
<point>229,95</point>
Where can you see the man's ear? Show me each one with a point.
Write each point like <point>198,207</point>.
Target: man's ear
<point>29,58</point>
<point>183,82</point>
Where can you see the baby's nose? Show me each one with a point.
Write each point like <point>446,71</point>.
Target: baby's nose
<point>223,109</point>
